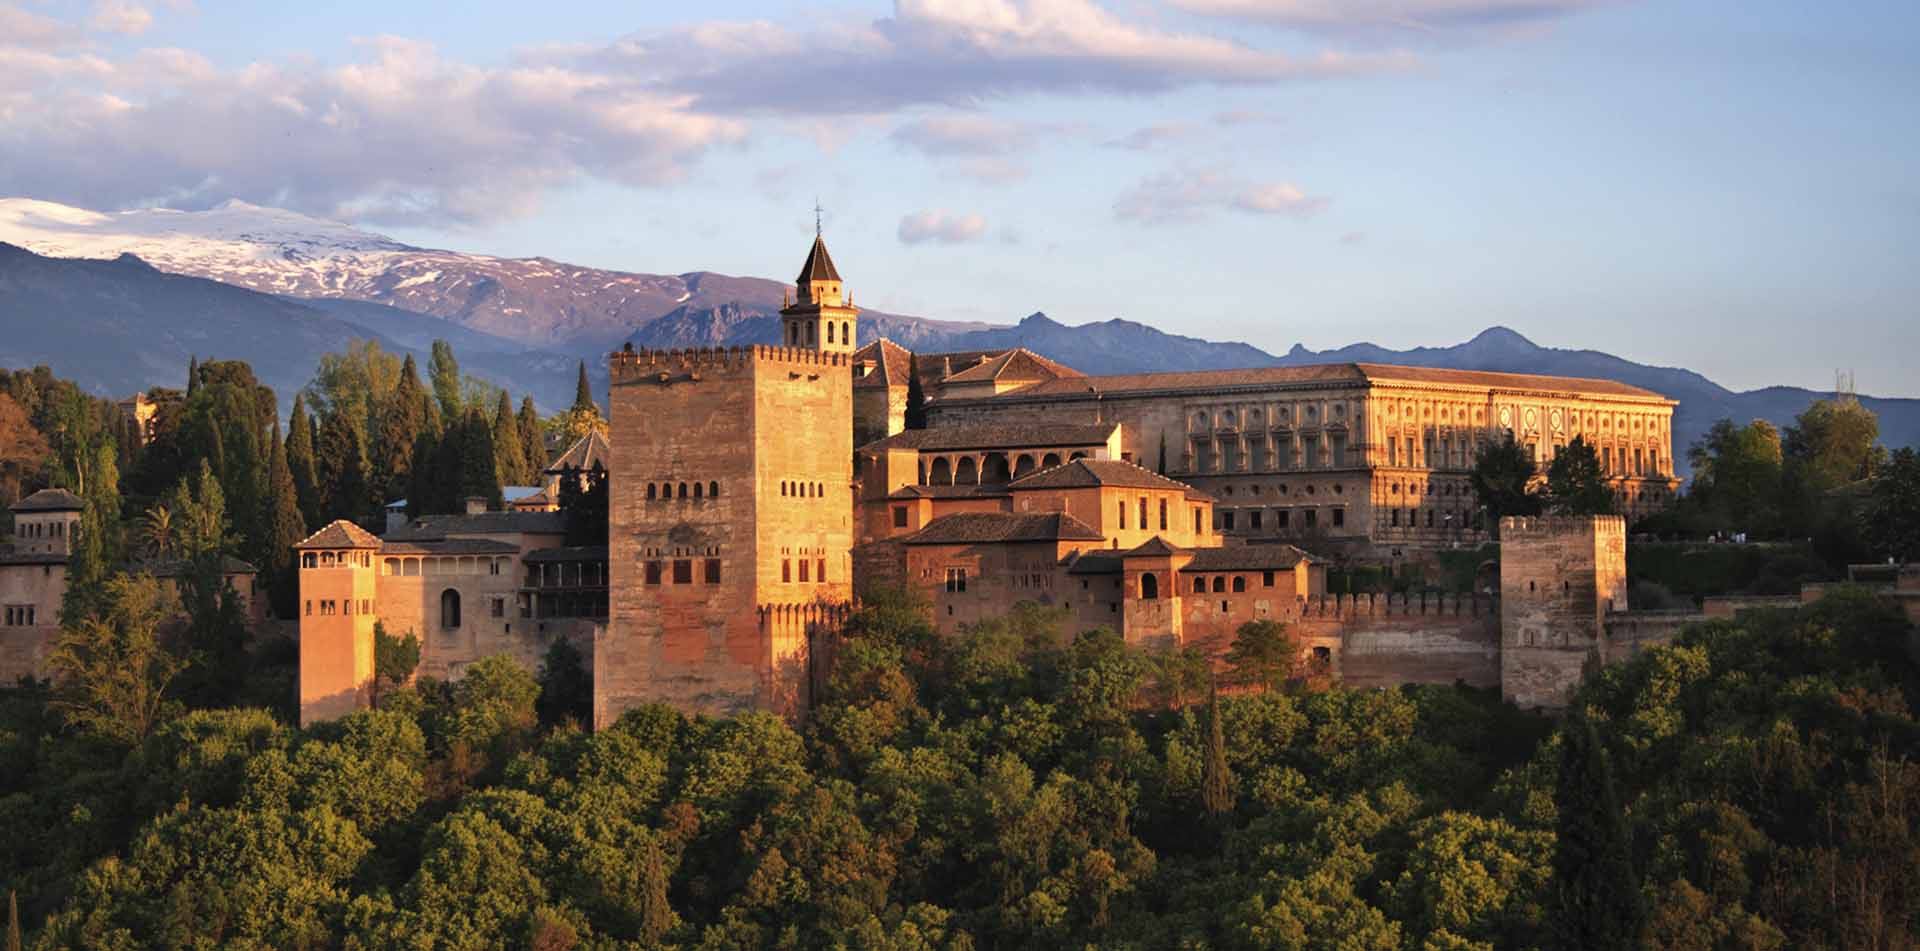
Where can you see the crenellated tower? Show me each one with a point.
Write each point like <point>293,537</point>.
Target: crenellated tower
<point>730,520</point>
<point>819,317</point>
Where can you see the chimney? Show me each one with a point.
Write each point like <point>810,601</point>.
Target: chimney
<point>476,504</point>
<point>396,519</point>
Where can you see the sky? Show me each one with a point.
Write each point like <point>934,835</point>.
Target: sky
<point>1728,187</point>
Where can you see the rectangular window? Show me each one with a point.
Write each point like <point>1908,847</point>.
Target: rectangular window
<point>309,608</point>
<point>497,607</point>
<point>1393,518</point>
<point>653,572</point>
<point>1266,579</point>
<point>1123,515</point>
<point>1143,513</point>
<point>683,571</point>
<point>1253,520</point>
<point>1280,518</point>
<point>493,566</point>
<point>899,516</point>
<point>786,571</point>
<point>1312,517</point>
<point>956,580</point>
<point>1196,521</point>
<point>1226,520</point>
<point>1339,517</point>
<point>820,571</point>
<point>804,571</point>
<point>713,571</point>
<point>1163,515</point>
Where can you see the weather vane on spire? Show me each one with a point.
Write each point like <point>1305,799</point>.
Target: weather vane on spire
<point>816,216</point>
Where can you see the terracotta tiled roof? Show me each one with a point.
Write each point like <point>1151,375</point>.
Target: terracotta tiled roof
<point>341,534</point>
<point>819,265</point>
<point>1090,473</point>
<point>1001,436</point>
<point>585,453</point>
<point>429,528</point>
<point>572,553</point>
<point>935,367</point>
<point>1095,563</point>
<point>978,527</point>
<point>1248,558</point>
<point>949,492</point>
<point>890,364</point>
<point>1152,547</point>
<point>50,500</point>
<point>1319,374</point>
<point>1015,365</point>
<point>448,546</point>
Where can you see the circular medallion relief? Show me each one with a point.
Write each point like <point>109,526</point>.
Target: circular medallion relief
<point>1506,416</point>
<point>1533,418</point>
<point>1559,421</point>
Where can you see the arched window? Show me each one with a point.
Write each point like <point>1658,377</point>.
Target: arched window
<point>652,491</point>
<point>1219,583</point>
<point>1149,587</point>
<point>449,608</point>
<point>698,490</point>
<point>683,490</point>
<point>326,559</point>
<point>1199,586</point>
<point>819,491</point>
<point>829,331</point>
<point>1050,460</point>
<point>846,332</point>
<point>309,560</point>
<point>713,490</point>
<point>783,489</point>
<point>1239,584</point>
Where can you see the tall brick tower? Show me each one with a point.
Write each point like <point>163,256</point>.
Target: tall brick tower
<point>1559,578</point>
<point>730,522</point>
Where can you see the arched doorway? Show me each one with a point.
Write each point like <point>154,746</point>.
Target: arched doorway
<point>449,608</point>
<point>1149,587</point>
<point>941,473</point>
<point>994,470</point>
<point>966,473</point>
<point>1023,465</point>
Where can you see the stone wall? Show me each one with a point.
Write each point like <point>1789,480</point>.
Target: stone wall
<point>1559,578</point>
<point>24,647</point>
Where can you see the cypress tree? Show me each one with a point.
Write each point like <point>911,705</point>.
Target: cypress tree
<point>344,492</point>
<point>443,371</point>
<point>1216,787</point>
<point>533,444</point>
<point>656,915</point>
<point>97,548</point>
<point>1597,898</point>
<point>300,461</point>
<point>285,528</point>
<point>477,475</point>
<point>14,938</point>
<point>916,415</point>
<point>583,393</point>
<point>193,375</point>
<point>402,420</point>
<point>425,488</point>
<point>1163,454</point>
<point>509,455</point>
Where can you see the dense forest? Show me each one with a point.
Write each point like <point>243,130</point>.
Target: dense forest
<point>1025,785</point>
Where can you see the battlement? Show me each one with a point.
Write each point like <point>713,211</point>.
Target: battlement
<point>1396,605</point>
<point>1515,527</point>
<point>631,366</point>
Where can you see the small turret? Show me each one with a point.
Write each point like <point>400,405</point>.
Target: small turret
<point>820,317</point>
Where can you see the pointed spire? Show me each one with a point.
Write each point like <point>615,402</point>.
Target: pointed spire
<point>819,266</point>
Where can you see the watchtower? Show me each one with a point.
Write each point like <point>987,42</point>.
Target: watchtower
<point>1559,578</point>
<point>730,503</point>
<point>337,597</point>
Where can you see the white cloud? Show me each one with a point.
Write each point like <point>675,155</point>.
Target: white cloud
<point>21,28</point>
<point>1190,194</point>
<point>967,134</point>
<point>1155,136</point>
<point>1391,17</point>
<point>939,226</point>
<point>120,16</point>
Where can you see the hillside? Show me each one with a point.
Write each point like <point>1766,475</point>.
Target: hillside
<point>119,325</point>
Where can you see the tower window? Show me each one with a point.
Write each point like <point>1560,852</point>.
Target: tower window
<point>829,331</point>
<point>713,571</point>
<point>683,571</point>
<point>820,571</point>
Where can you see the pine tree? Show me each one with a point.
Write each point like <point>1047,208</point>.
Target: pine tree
<point>344,491</point>
<point>300,462</point>
<point>1216,787</point>
<point>1576,485</point>
<point>285,529</point>
<point>916,415</point>
<point>443,371</point>
<point>402,420</point>
<point>583,392</point>
<point>533,445</point>
<point>477,475</point>
<point>509,455</point>
<point>656,915</point>
<point>1597,899</point>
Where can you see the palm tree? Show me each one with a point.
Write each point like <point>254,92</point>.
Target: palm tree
<point>157,532</point>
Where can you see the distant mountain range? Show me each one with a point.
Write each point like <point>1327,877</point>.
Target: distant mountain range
<point>278,288</point>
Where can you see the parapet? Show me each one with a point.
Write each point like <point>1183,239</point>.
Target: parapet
<point>1514,527</point>
<point>631,366</point>
<point>1397,605</point>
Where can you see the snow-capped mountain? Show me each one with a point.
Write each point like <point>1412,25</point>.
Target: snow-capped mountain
<point>533,300</point>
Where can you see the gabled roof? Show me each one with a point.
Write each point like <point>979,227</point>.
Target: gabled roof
<point>890,364</point>
<point>585,453</point>
<point>435,527</point>
<point>1015,365</point>
<point>819,266</point>
<point>999,436</point>
<point>1093,473</point>
<point>50,500</point>
<point>1248,558</point>
<point>341,533</point>
<point>1155,547</point>
<point>949,492</point>
<point>988,527</point>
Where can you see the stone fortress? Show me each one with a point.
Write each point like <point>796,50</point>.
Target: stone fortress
<point>754,490</point>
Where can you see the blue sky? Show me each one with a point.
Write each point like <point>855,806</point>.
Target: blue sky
<point>1728,187</point>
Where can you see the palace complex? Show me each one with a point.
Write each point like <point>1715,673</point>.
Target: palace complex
<point>754,490</point>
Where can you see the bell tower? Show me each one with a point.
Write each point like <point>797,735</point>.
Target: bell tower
<point>819,317</point>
